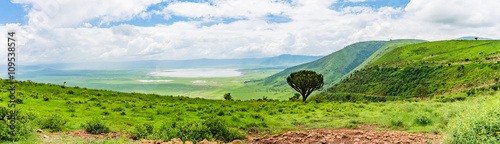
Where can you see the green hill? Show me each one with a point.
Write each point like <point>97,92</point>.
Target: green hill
<point>425,69</point>
<point>338,64</point>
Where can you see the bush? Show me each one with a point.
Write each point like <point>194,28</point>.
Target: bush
<point>495,87</point>
<point>227,96</point>
<point>211,128</point>
<point>295,97</point>
<point>397,123</point>
<point>70,92</point>
<point>96,126</point>
<point>142,131</point>
<point>422,120</point>
<point>45,98</point>
<point>477,123</point>
<point>105,113</point>
<point>118,109</point>
<point>54,122</point>
<point>352,124</point>
<point>24,126</point>
<point>18,101</point>
<point>317,98</point>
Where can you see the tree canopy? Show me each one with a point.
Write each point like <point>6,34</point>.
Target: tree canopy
<point>305,82</point>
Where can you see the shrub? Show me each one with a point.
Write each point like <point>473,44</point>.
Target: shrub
<point>220,131</point>
<point>96,126</point>
<point>24,125</point>
<point>70,92</point>
<point>317,98</point>
<point>105,113</point>
<point>227,96</point>
<point>118,109</point>
<point>211,128</point>
<point>495,87</point>
<point>422,120</point>
<point>397,123</point>
<point>143,131</point>
<point>295,97</point>
<point>53,122</point>
<point>477,123</point>
<point>352,124</point>
<point>45,98</point>
<point>18,101</point>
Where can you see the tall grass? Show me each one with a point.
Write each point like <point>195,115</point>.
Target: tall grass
<point>476,123</point>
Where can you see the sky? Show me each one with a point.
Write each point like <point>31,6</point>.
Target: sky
<point>74,31</point>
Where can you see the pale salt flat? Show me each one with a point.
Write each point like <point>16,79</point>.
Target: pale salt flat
<point>199,81</point>
<point>154,80</point>
<point>197,73</point>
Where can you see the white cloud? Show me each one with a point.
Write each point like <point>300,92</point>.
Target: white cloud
<point>359,0</point>
<point>315,29</point>
<point>64,13</point>
<point>462,13</point>
<point>229,8</point>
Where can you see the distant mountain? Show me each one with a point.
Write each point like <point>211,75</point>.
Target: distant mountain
<point>277,61</point>
<point>424,70</point>
<point>472,38</point>
<point>338,64</point>
<point>289,60</point>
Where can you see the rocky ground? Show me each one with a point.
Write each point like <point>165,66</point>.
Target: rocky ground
<point>347,136</point>
<point>364,134</point>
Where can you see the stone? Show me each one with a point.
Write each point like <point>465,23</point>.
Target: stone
<point>204,141</point>
<point>176,141</point>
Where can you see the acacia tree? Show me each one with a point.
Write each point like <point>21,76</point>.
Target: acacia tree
<point>305,82</point>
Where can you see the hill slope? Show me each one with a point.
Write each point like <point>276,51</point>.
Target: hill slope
<point>426,69</point>
<point>336,65</point>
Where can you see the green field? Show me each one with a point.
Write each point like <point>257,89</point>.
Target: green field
<point>449,88</point>
<point>130,112</point>
<point>126,81</point>
<point>425,70</point>
<point>338,64</point>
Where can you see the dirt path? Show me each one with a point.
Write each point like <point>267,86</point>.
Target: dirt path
<point>367,135</point>
<point>364,134</point>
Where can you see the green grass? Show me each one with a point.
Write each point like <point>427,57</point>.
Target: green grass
<point>261,116</point>
<point>426,69</point>
<point>441,53</point>
<point>337,65</point>
<point>126,81</point>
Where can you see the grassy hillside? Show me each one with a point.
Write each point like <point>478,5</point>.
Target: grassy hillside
<point>336,65</point>
<point>426,69</point>
<point>58,108</point>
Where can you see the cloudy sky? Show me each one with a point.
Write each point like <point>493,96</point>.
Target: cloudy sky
<point>55,31</point>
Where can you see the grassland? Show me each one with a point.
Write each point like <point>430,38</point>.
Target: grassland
<point>126,81</point>
<point>338,64</point>
<point>442,53</point>
<point>126,112</point>
<point>425,70</point>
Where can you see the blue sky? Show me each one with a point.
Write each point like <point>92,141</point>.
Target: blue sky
<point>17,13</point>
<point>56,31</point>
